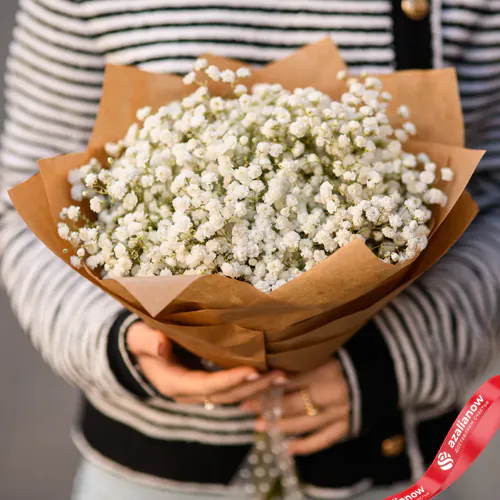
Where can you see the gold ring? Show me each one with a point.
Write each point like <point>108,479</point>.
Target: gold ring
<point>207,403</point>
<point>311,409</point>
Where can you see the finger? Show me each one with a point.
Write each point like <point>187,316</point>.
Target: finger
<point>173,380</point>
<point>292,405</point>
<point>143,340</point>
<point>196,383</point>
<point>157,372</point>
<point>250,389</point>
<point>301,380</point>
<point>241,392</point>
<point>296,425</point>
<point>303,424</point>
<point>320,440</point>
<point>330,371</point>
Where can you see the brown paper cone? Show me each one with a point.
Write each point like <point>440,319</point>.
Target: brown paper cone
<point>302,323</point>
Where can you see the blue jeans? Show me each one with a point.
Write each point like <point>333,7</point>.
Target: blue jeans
<point>94,483</point>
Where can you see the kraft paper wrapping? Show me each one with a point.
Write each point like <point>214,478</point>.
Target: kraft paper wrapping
<point>299,325</point>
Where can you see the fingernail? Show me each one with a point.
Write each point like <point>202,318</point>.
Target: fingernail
<point>252,377</point>
<point>250,405</point>
<point>162,349</point>
<point>260,426</point>
<point>280,380</point>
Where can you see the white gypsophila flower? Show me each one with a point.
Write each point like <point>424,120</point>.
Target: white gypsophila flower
<point>117,190</point>
<point>435,197</point>
<point>447,174</point>
<point>242,72</point>
<point>404,112</point>
<point>423,158</point>
<point>240,90</point>
<point>410,128</point>
<point>63,230</point>
<point>90,180</point>
<point>77,192</point>
<point>427,177</point>
<point>258,187</point>
<point>75,261</point>
<point>73,213</point>
<point>190,78</point>
<point>213,72</point>
<point>143,113</point>
<point>200,64</point>
<point>228,76</point>
<point>113,149</point>
<point>96,204</point>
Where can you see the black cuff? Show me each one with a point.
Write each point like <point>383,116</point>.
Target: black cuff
<point>121,361</point>
<point>369,370</point>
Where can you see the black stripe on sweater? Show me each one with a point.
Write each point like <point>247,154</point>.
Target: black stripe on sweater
<point>178,460</point>
<point>412,40</point>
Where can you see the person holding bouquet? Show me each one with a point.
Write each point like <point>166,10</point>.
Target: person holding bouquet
<point>155,424</point>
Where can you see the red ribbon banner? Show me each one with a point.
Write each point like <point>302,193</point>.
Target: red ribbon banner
<point>470,434</point>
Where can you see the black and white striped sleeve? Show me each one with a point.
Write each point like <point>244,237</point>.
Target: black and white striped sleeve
<point>53,86</point>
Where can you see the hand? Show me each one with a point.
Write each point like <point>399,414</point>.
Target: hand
<point>153,351</point>
<point>329,393</point>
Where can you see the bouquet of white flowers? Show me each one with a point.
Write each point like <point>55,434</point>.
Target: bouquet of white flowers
<point>259,187</point>
<point>260,217</point>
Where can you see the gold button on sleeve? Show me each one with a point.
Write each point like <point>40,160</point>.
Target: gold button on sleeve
<point>393,446</point>
<point>416,9</point>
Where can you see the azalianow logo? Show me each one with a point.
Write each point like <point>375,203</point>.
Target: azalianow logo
<point>414,494</point>
<point>445,461</point>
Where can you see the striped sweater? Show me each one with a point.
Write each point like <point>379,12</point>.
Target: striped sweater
<point>412,362</point>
